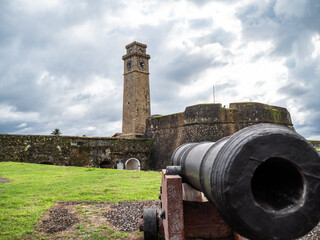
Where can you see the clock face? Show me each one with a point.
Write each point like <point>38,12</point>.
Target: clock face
<point>129,65</point>
<point>142,64</point>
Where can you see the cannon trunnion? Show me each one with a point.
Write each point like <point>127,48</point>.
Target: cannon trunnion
<point>264,181</point>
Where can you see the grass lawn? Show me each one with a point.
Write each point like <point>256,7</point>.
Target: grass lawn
<point>35,187</point>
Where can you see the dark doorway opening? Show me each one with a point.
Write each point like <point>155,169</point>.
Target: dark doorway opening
<point>106,164</point>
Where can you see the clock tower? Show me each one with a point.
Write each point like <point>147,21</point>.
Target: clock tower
<point>136,92</point>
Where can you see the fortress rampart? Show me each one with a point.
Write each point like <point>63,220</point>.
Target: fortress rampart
<point>206,122</point>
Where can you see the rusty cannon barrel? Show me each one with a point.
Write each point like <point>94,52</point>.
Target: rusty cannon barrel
<point>264,180</point>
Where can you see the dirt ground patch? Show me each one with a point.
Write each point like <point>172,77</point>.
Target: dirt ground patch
<point>100,220</point>
<point>4,180</point>
<point>92,220</point>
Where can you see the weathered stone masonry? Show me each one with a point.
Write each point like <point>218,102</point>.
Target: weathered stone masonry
<point>73,151</point>
<point>136,90</point>
<point>206,122</point>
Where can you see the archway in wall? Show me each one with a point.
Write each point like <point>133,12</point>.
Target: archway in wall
<point>106,164</point>
<point>132,164</point>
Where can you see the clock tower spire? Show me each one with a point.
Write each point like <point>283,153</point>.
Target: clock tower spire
<point>136,92</point>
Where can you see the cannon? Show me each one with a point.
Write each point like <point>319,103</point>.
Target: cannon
<point>261,183</point>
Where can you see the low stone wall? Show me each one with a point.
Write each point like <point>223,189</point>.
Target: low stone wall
<point>74,151</point>
<point>206,122</point>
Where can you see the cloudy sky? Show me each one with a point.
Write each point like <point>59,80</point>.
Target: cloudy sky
<point>61,66</point>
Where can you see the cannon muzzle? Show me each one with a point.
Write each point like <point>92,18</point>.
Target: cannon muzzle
<point>264,180</point>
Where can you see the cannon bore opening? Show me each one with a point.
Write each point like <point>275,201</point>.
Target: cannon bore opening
<point>277,184</point>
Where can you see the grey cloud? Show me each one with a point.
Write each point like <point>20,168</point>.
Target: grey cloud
<point>185,66</point>
<point>290,29</point>
<point>261,22</point>
<point>200,2</point>
<point>219,35</point>
<point>307,130</point>
<point>204,2</point>
<point>181,70</point>
<point>307,72</point>
<point>200,23</point>
<point>304,88</point>
<point>46,35</point>
<point>314,130</point>
<point>258,24</point>
<point>225,89</point>
<point>294,90</point>
<point>290,63</point>
<point>259,84</point>
<point>36,42</point>
<point>8,127</point>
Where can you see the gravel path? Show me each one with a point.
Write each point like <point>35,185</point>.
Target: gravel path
<point>60,219</point>
<point>123,215</point>
<point>313,235</point>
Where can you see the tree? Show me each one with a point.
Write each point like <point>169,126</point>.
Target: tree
<point>56,132</point>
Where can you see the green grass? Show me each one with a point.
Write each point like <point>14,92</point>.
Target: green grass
<point>318,149</point>
<point>36,187</point>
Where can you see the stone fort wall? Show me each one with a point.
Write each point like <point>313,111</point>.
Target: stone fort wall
<point>206,122</point>
<point>73,151</point>
<point>202,122</point>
